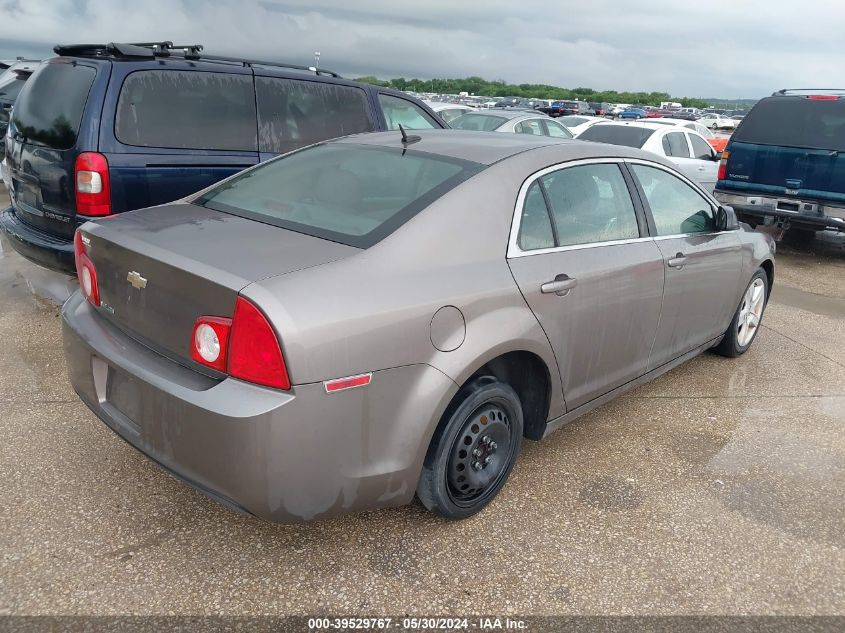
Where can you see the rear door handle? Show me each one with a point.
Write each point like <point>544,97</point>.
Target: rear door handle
<point>561,285</point>
<point>677,261</point>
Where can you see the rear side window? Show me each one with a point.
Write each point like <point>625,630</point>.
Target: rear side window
<point>477,122</point>
<point>49,108</point>
<point>398,111</point>
<point>352,194</point>
<point>675,144</point>
<point>187,110</point>
<point>628,135</point>
<point>294,113</point>
<point>795,122</point>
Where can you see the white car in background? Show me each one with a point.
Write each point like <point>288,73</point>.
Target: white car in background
<point>717,122</point>
<point>691,153</point>
<point>577,123</point>
<point>448,111</point>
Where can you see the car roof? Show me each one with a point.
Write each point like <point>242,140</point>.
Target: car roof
<point>487,148</point>
<point>514,113</point>
<point>437,106</point>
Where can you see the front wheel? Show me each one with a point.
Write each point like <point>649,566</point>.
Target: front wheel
<point>746,322</point>
<point>473,450</point>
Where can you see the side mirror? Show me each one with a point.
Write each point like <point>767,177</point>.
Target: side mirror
<point>726,219</point>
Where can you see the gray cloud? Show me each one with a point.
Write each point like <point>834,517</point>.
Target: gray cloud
<point>727,48</point>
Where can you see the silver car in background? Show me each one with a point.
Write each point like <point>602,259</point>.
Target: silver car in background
<point>513,121</point>
<point>385,315</point>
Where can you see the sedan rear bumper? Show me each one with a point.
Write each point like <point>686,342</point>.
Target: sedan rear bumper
<point>282,456</point>
<point>37,246</point>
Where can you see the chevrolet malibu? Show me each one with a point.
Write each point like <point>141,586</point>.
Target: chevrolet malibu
<point>386,315</point>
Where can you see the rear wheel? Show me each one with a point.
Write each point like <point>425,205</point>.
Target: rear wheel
<point>473,450</point>
<point>746,322</point>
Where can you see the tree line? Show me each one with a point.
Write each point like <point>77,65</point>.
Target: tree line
<point>479,86</point>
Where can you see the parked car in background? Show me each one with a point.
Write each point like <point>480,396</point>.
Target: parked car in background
<point>561,108</point>
<point>577,124</point>
<point>718,143</point>
<point>514,121</point>
<point>785,163</point>
<point>632,113</point>
<point>717,122</point>
<point>448,111</point>
<point>12,80</point>
<point>658,113</point>
<point>600,108</point>
<point>103,129</point>
<point>463,320</point>
<point>689,151</point>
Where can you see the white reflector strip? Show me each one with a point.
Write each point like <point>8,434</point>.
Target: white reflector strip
<point>350,382</point>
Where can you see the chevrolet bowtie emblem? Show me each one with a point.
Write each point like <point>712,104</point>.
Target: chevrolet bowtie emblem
<point>136,280</point>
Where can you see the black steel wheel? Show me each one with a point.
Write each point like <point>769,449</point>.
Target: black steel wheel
<point>473,449</point>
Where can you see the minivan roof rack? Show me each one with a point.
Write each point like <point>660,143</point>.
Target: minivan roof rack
<point>151,50</point>
<point>809,91</point>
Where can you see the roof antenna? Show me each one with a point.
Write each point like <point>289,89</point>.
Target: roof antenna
<point>407,140</point>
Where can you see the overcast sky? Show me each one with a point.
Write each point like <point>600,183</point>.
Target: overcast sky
<point>695,48</point>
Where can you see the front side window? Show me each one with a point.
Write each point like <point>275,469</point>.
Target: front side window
<point>529,127</point>
<point>589,204</point>
<point>677,208</point>
<point>293,113</point>
<point>187,110</point>
<point>700,148</point>
<point>675,144</point>
<point>398,111</point>
<point>347,193</point>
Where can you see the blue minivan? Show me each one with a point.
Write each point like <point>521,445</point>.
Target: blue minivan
<point>785,163</point>
<point>103,129</point>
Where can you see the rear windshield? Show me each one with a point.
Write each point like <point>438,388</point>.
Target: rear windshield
<point>627,135</point>
<point>352,194</point>
<point>795,122</point>
<point>49,108</point>
<point>477,122</point>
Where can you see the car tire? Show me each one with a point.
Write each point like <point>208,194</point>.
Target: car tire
<point>473,449</point>
<point>748,317</point>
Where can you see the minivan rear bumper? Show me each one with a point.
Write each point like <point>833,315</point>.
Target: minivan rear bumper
<point>42,248</point>
<point>284,456</point>
<point>768,208</point>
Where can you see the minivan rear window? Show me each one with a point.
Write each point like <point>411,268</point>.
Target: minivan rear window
<point>187,110</point>
<point>627,135</point>
<point>49,108</point>
<point>795,122</point>
<point>347,193</point>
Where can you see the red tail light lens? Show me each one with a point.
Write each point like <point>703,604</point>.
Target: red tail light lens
<point>210,341</point>
<point>823,97</point>
<point>245,346</point>
<point>85,271</point>
<point>93,189</point>
<point>254,351</point>
<point>723,166</point>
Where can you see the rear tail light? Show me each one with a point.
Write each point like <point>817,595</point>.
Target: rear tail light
<point>823,97</point>
<point>210,341</point>
<point>93,189</point>
<point>85,271</point>
<point>723,166</point>
<point>245,347</point>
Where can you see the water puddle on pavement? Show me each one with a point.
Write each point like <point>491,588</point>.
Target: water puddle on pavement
<point>24,282</point>
<point>809,301</point>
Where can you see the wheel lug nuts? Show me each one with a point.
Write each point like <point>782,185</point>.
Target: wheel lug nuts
<point>493,445</point>
<point>476,466</point>
<point>487,460</point>
<point>477,452</point>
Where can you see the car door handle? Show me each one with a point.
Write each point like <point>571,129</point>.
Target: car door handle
<point>561,285</point>
<point>677,261</point>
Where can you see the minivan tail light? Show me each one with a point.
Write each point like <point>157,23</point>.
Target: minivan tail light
<point>254,351</point>
<point>85,271</point>
<point>93,187</point>
<point>723,166</point>
<point>823,97</point>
